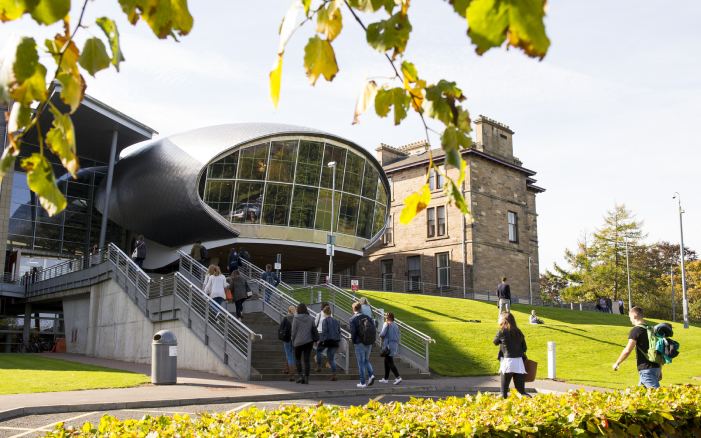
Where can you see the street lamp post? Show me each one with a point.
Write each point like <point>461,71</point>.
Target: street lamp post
<point>674,305</point>
<point>330,244</point>
<point>630,296</point>
<point>685,303</point>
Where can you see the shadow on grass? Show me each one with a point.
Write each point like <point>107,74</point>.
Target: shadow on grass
<point>575,316</point>
<point>582,336</point>
<point>446,315</point>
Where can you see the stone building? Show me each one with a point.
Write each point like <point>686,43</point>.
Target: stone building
<point>441,249</point>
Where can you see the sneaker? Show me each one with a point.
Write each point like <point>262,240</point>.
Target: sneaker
<point>361,385</point>
<point>371,380</point>
<point>397,381</point>
<point>383,381</point>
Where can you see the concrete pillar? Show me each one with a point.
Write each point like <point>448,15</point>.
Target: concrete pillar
<point>27,324</point>
<point>93,320</point>
<point>108,189</point>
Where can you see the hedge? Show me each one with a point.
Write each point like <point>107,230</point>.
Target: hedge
<point>673,411</point>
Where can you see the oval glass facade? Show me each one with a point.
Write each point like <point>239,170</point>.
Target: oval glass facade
<point>286,182</point>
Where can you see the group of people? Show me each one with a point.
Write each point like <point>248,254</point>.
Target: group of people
<point>216,286</point>
<point>301,334</point>
<point>606,305</point>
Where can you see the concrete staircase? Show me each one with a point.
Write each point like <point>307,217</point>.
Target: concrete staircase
<point>268,357</point>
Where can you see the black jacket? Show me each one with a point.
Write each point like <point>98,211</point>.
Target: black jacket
<point>512,344</point>
<point>504,291</point>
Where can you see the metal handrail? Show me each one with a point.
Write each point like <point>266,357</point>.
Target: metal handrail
<point>278,303</point>
<point>124,264</point>
<point>192,267</point>
<point>254,272</point>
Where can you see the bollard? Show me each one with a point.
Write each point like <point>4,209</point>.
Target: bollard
<point>319,296</point>
<point>580,307</point>
<point>551,360</point>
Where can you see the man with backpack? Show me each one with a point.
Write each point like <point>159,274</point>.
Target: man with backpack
<point>363,335</point>
<point>642,339</point>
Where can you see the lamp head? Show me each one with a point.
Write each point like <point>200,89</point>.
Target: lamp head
<point>331,164</point>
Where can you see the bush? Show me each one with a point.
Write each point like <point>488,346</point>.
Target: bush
<point>673,411</point>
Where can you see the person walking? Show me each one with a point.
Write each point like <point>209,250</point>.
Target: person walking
<point>620,306</point>
<point>512,349</point>
<point>139,254</point>
<point>318,320</point>
<point>362,336</point>
<point>239,291</point>
<point>233,260</point>
<point>284,333</point>
<point>329,340</point>
<point>390,347</point>
<point>504,296</point>
<point>270,277</point>
<point>303,336</point>
<point>196,252</point>
<point>650,373</point>
<point>609,305</point>
<point>214,286</point>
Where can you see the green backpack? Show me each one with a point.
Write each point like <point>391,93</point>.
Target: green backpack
<point>652,354</point>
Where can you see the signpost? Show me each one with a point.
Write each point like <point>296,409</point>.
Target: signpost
<point>355,285</point>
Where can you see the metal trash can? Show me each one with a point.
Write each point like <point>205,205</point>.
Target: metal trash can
<point>164,358</point>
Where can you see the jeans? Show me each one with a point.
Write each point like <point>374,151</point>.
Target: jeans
<point>519,383</point>
<point>306,350</point>
<point>390,366</point>
<point>267,295</point>
<point>239,307</point>
<point>504,303</point>
<point>362,355</point>
<point>289,354</point>
<point>139,262</point>
<point>650,378</point>
<point>214,309</point>
<point>330,355</point>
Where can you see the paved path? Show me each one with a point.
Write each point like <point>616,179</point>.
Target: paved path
<point>198,388</point>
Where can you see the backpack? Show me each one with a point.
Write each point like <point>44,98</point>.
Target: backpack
<point>666,346</point>
<point>366,330</point>
<point>653,353</point>
<point>203,252</point>
<point>332,328</point>
<point>284,332</point>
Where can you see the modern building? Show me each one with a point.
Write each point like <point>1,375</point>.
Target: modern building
<point>443,250</point>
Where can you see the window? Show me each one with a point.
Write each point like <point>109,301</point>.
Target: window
<point>413,273</point>
<point>309,163</point>
<point>386,266</point>
<point>248,202</point>
<point>440,213</point>
<point>435,180</point>
<point>513,227</point>
<point>283,155</point>
<point>303,207</point>
<point>388,237</point>
<point>443,269</point>
<point>253,162</point>
<point>365,218</point>
<point>379,220</point>
<point>355,166</point>
<point>370,180</point>
<point>348,214</point>
<point>431,222</point>
<point>277,204</point>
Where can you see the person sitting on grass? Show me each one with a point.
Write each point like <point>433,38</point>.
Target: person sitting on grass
<point>534,319</point>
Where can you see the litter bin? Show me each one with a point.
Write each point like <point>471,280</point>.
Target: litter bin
<point>164,358</point>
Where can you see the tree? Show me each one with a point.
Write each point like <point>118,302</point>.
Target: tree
<point>491,23</point>
<point>551,285</point>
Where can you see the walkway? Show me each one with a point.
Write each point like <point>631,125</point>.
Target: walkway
<point>197,388</point>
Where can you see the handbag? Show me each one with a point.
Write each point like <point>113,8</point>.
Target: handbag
<point>315,334</point>
<point>229,295</point>
<point>384,352</point>
<point>531,369</point>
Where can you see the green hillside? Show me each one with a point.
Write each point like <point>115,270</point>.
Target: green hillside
<point>588,343</point>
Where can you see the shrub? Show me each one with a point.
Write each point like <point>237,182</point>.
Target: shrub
<point>673,411</point>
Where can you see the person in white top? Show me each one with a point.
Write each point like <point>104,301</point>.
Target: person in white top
<point>512,350</point>
<point>214,285</point>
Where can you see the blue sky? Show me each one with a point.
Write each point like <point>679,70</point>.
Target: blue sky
<point>607,117</point>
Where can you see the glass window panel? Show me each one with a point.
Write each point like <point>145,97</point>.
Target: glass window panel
<point>354,173</point>
<point>76,220</point>
<point>431,222</point>
<point>21,211</point>
<point>323,210</point>
<point>379,222</point>
<point>440,214</point>
<point>309,162</point>
<point>337,154</point>
<point>370,181</point>
<point>365,218</point>
<point>348,216</point>
<point>72,234</point>
<point>228,165</point>
<point>248,202</point>
<point>381,192</point>
<point>277,204</point>
<point>47,244</point>
<point>283,155</point>
<point>303,206</point>
<point>49,231</point>
<point>253,162</point>
<point>443,269</point>
<point>21,227</point>
<point>17,240</point>
<point>43,216</point>
<point>77,205</point>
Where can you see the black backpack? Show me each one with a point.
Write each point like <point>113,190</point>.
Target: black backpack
<point>366,330</point>
<point>284,332</point>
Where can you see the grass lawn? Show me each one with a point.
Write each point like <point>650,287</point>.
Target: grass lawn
<point>587,343</point>
<point>26,373</point>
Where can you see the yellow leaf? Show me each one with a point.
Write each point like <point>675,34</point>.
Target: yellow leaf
<point>330,20</point>
<point>288,25</point>
<point>41,180</point>
<point>275,79</point>
<point>319,59</point>
<point>415,204</point>
<point>364,99</point>
<point>72,89</point>
<point>61,140</point>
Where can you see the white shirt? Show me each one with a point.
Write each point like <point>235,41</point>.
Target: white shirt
<point>214,286</point>
<point>512,365</point>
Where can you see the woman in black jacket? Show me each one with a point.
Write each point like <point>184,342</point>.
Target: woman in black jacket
<point>512,349</point>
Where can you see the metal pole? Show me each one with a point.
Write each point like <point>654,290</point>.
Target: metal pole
<point>630,297</point>
<point>674,305</point>
<point>108,189</point>
<point>333,202</point>
<point>685,302</point>
<point>530,283</point>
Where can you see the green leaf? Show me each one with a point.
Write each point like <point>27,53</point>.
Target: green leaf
<point>41,180</point>
<point>319,59</point>
<point>26,59</point>
<point>330,20</point>
<point>415,204</point>
<point>372,5</point>
<point>519,22</point>
<point>394,97</point>
<point>409,72</point>
<point>94,56</point>
<point>61,140</point>
<point>452,140</point>
<point>109,27</point>
<point>275,79</point>
<point>443,99</point>
<point>20,118</point>
<point>390,34</point>
<point>29,82</point>
<point>164,17</point>
<point>72,82</point>
<point>460,6</point>
<point>13,9</point>
<point>456,197</point>
<point>7,161</point>
<point>50,11</point>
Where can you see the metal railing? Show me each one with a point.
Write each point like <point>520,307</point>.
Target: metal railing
<point>275,305</point>
<point>192,268</point>
<point>414,344</point>
<point>226,336</point>
<point>253,272</point>
<point>72,265</point>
